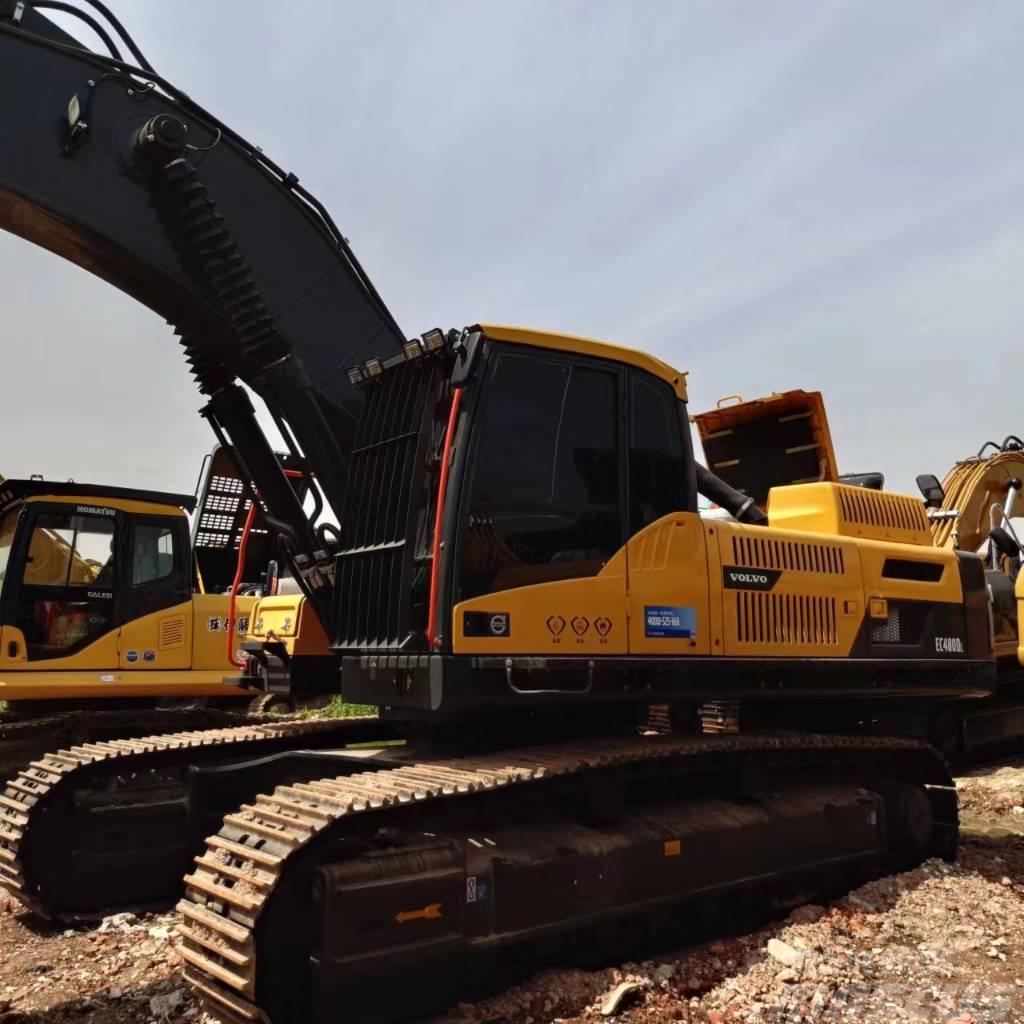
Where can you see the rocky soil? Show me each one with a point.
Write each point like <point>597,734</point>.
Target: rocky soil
<point>943,943</point>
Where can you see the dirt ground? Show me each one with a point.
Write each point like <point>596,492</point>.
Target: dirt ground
<point>943,943</point>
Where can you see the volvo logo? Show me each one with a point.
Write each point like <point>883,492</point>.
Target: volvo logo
<point>739,578</point>
<point>499,624</point>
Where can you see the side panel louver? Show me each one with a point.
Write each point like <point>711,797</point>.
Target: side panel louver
<point>767,619</point>
<point>788,555</point>
<point>882,510</point>
<point>172,633</point>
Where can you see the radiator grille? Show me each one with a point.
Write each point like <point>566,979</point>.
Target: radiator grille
<point>771,553</point>
<point>886,511</point>
<point>172,633</point>
<point>764,619</point>
<point>904,625</point>
<point>374,566</point>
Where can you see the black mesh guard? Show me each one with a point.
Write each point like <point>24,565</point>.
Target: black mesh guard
<point>382,570</point>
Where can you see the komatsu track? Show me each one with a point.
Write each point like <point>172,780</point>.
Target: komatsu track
<point>25,738</point>
<point>106,825</point>
<point>377,895</point>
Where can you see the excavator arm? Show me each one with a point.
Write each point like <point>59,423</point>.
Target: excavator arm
<point>979,493</point>
<point>118,171</point>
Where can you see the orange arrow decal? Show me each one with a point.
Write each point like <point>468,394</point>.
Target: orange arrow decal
<point>431,912</point>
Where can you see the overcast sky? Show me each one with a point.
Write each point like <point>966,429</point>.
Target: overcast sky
<point>797,194</point>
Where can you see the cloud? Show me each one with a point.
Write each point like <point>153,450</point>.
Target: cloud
<point>770,196</point>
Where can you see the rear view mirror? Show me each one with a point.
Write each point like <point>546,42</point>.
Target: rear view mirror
<point>931,489</point>
<point>1005,542</point>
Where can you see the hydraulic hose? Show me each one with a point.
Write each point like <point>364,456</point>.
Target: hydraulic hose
<point>738,504</point>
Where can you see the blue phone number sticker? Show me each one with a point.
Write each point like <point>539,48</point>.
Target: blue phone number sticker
<point>667,621</point>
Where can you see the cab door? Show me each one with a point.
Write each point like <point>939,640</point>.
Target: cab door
<point>60,610</point>
<point>155,594</point>
<point>669,612</point>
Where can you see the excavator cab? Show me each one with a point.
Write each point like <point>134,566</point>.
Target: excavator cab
<point>97,597</point>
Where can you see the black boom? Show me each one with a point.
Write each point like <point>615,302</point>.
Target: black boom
<point>116,170</point>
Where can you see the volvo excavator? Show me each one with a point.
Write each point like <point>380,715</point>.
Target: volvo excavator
<point>519,571</point>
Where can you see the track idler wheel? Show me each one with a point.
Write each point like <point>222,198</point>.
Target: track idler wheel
<point>908,824</point>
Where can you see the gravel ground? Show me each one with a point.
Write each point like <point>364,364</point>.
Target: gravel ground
<point>942,943</point>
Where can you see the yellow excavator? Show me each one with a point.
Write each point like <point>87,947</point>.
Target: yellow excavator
<point>117,618</point>
<point>98,598</point>
<point>520,569</point>
<point>772,441</point>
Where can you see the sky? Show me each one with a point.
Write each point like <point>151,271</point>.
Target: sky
<point>813,194</point>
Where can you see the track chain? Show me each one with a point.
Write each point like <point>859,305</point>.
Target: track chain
<point>235,876</point>
<point>32,784</point>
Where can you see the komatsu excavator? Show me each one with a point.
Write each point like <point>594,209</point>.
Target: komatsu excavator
<point>520,570</point>
<point>116,620</point>
<point>102,634</point>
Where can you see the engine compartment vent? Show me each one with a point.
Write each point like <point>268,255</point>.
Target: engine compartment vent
<point>172,633</point>
<point>786,619</point>
<point>905,625</point>
<point>879,509</point>
<point>796,556</point>
<point>845,511</point>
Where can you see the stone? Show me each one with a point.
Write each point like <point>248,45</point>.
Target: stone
<point>807,914</point>
<point>785,954</point>
<point>165,1005</point>
<point>626,990</point>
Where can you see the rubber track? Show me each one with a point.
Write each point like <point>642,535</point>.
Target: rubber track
<point>237,873</point>
<point>31,785</point>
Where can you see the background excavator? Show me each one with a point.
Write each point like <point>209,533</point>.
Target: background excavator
<point>785,438</point>
<point>520,570</point>
<point>109,629</point>
<point>120,618</point>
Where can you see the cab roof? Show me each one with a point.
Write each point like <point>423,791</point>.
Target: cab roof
<point>676,379</point>
<point>13,491</point>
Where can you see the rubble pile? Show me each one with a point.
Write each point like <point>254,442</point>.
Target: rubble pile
<point>125,971</point>
<point>942,943</point>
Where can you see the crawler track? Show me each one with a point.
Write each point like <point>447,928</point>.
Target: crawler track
<point>103,825</point>
<point>256,949</point>
<point>23,740</point>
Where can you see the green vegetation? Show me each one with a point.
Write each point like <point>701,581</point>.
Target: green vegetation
<point>337,708</point>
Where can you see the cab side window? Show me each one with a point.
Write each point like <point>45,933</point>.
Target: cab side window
<point>153,553</point>
<point>657,466</point>
<point>544,502</point>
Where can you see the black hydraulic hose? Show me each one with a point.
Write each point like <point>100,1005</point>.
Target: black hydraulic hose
<point>313,209</point>
<point>743,508</point>
<point>119,29</point>
<point>58,5</point>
